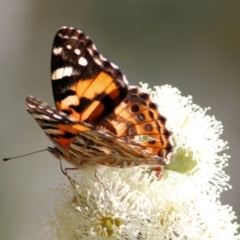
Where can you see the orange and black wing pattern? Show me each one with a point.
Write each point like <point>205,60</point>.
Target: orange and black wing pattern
<point>99,119</point>
<point>86,86</point>
<point>80,143</point>
<point>137,120</point>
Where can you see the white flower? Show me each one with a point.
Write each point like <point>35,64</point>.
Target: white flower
<point>107,207</point>
<point>133,204</point>
<point>197,146</point>
<point>184,212</point>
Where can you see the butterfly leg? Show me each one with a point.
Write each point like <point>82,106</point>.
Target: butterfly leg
<point>99,179</point>
<point>71,180</point>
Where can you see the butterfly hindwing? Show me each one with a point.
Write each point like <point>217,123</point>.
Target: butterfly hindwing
<point>85,85</point>
<point>137,120</point>
<point>80,143</point>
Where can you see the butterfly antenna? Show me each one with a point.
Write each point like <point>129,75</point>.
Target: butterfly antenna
<point>6,159</point>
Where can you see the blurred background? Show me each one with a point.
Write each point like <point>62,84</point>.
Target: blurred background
<point>194,46</point>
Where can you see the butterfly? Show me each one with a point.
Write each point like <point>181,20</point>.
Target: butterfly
<point>99,118</point>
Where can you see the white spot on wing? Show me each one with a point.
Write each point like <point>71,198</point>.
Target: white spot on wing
<point>114,65</point>
<point>31,106</point>
<point>49,111</point>
<point>69,47</point>
<point>77,51</point>
<point>90,51</point>
<point>82,61</point>
<point>57,50</point>
<point>57,116</point>
<point>74,37</point>
<point>98,62</point>
<point>60,35</point>
<point>102,57</point>
<point>62,72</point>
<point>46,117</point>
<point>63,114</point>
<point>94,47</point>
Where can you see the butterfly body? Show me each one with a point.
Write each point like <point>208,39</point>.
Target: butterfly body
<point>99,119</point>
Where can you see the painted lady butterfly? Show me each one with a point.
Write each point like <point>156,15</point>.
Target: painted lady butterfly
<point>99,118</point>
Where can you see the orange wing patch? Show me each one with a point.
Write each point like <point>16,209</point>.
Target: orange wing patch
<point>86,105</point>
<point>136,120</point>
<point>86,86</point>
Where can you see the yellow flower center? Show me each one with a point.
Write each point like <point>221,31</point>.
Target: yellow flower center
<point>108,224</point>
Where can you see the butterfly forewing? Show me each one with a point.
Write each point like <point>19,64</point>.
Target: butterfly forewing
<point>85,85</point>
